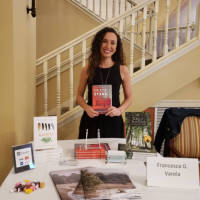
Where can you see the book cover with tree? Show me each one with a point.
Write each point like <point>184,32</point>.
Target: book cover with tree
<point>138,131</point>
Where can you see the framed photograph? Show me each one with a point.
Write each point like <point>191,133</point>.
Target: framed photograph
<point>23,157</point>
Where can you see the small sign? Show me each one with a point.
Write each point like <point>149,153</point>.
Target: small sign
<point>173,172</point>
<point>23,157</point>
<point>45,132</point>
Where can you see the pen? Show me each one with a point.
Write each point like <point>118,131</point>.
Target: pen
<point>86,135</point>
<point>98,135</point>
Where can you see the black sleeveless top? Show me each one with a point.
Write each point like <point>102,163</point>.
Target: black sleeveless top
<point>109,126</point>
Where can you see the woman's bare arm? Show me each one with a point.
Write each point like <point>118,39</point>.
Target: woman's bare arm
<point>80,94</point>
<point>126,83</point>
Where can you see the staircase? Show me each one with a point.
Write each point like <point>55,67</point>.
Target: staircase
<point>105,10</point>
<point>155,48</point>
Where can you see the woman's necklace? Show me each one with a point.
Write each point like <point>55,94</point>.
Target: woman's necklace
<point>101,75</point>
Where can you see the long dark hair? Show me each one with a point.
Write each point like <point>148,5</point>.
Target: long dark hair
<point>95,55</point>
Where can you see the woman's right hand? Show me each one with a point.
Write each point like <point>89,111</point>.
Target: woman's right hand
<point>91,112</point>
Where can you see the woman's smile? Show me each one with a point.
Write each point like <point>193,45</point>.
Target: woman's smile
<point>108,45</point>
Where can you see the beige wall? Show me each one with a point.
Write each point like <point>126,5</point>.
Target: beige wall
<point>7,95</point>
<point>17,78</point>
<point>59,22</point>
<point>189,92</point>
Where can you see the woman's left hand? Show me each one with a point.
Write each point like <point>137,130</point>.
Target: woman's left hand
<point>113,111</point>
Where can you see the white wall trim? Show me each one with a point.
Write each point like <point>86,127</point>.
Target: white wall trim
<point>178,103</point>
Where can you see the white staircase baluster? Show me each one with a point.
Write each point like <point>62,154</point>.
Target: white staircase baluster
<point>121,27</point>
<point>45,71</point>
<point>155,30</point>
<point>132,44</point>
<point>100,9</point>
<point>198,21</point>
<point>126,5</point>
<point>58,61</point>
<point>93,6</point>
<point>107,9</point>
<point>113,8</point>
<point>125,25</point>
<point>177,23</point>
<point>71,57</point>
<point>119,7</point>
<point>161,42</point>
<point>143,36</point>
<point>87,5</point>
<point>188,21</point>
<point>150,31</point>
<point>84,53</point>
<point>137,30</point>
<point>165,50</point>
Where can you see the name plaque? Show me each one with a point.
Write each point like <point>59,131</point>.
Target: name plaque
<point>173,172</point>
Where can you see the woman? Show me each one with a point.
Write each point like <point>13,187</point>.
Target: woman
<point>105,66</point>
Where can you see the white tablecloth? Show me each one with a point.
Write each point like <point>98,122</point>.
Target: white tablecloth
<point>46,162</point>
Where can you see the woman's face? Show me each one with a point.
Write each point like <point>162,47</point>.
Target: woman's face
<point>108,45</point>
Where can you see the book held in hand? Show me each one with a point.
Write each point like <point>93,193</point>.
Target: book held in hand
<point>101,98</point>
<point>91,151</point>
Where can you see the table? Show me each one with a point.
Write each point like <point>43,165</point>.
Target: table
<point>135,168</point>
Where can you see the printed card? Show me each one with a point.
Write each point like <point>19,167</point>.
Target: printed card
<point>45,132</point>
<point>23,157</point>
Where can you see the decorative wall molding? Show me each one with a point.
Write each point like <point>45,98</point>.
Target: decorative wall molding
<point>178,103</point>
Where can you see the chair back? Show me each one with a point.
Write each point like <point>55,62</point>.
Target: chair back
<point>187,142</point>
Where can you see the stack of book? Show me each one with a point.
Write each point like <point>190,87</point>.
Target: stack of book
<point>91,151</point>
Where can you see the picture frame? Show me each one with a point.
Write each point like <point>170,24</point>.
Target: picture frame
<point>45,132</point>
<point>23,157</point>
